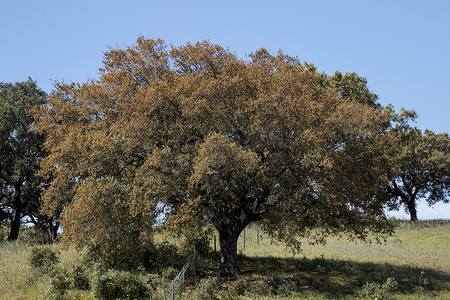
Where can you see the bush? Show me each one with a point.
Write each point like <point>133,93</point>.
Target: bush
<point>120,285</point>
<point>59,284</point>
<point>168,274</point>
<point>153,258</point>
<point>379,291</point>
<point>43,259</point>
<point>61,280</point>
<point>155,280</point>
<point>91,259</point>
<point>79,279</point>
<point>206,288</point>
<point>161,256</point>
<point>3,233</point>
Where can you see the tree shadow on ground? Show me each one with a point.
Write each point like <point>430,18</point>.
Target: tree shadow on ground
<point>339,278</point>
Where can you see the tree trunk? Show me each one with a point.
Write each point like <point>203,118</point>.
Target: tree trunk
<point>228,252</point>
<point>50,231</point>
<point>55,231</point>
<point>17,214</point>
<point>15,226</point>
<point>411,205</point>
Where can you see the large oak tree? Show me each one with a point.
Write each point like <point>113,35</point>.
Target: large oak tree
<point>209,138</point>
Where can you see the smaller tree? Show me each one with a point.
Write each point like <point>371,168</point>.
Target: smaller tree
<point>20,153</point>
<point>421,168</point>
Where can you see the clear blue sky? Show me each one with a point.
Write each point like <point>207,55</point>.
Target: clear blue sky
<point>401,47</point>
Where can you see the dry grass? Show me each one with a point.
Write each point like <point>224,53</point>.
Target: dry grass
<point>17,279</point>
<point>417,257</point>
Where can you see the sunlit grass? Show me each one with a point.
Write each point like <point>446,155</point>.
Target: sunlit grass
<point>416,256</point>
<point>17,279</point>
<point>415,246</point>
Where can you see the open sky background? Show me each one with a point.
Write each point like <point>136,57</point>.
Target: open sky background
<point>401,47</point>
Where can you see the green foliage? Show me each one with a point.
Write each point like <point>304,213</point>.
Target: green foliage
<point>153,258</point>
<point>31,235</point>
<point>3,232</point>
<point>62,280</point>
<point>43,259</point>
<point>420,167</point>
<point>379,291</point>
<point>168,274</point>
<point>21,150</point>
<point>79,277</point>
<point>125,238</point>
<point>207,288</point>
<point>203,247</point>
<point>155,280</point>
<point>120,285</point>
<point>161,256</point>
<point>59,283</point>
<point>352,87</point>
<point>92,261</point>
<point>34,235</point>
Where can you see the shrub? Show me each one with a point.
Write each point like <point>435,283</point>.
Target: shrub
<point>59,284</point>
<point>61,280</point>
<point>120,285</point>
<point>157,280</point>
<point>153,280</point>
<point>43,259</point>
<point>206,288</point>
<point>3,232</point>
<point>203,247</point>
<point>161,256</point>
<point>91,257</point>
<point>79,279</point>
<point>153,258</point>
<point>168,274</point>
<point>379,290</point>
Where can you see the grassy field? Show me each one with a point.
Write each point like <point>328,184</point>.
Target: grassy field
<point>417,257</point>
<point>413,264</point>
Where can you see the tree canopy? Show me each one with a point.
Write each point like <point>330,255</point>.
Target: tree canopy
<point>421,165</point>
<point>350,86</point>
<point>21,151</point>
<point>209,138</point>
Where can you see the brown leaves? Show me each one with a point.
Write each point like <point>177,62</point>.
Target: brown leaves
<point>223,172</point>
<point>214,139</point>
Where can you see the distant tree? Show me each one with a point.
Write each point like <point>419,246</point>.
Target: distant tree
<point>21,150</point>
<point>211,139</point>
<point>421,167</point>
